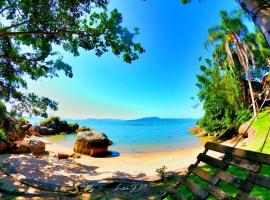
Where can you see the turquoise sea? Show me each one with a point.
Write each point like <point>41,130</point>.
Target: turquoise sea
<point>147,135</point>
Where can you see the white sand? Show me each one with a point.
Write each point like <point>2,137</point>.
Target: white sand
<point>139,166</point>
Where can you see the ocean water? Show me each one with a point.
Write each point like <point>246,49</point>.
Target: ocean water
<point>140,136</point>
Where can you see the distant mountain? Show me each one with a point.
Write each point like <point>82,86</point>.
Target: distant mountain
<point>157,119</point>
<point>36,120</point>
<point>145,119</point>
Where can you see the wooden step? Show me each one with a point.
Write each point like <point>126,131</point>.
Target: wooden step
<point>245,196</point>
<point>218,193</point>
<point>212,161</point>
<point>242,163</point>
<point>235,181</point>
<point>194,188</point>
<point>250,155</point>
<point>174,194</point>
<point>259,180</point>
<point>204,174</point>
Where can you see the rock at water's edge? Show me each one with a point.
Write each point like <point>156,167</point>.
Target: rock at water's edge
<point>92,143</point>
<point>199,131</point>
<point>36,146</point>
<point>246,131</point>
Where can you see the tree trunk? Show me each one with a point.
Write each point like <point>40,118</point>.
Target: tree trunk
<point>252,95</point>
<point>229,56</point>
<point>260,12</point>
<point>243,51</point>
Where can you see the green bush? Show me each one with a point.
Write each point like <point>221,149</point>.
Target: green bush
<point>23,120</point>
<point>59,126</point>
<point>222,100</point>
<point>73,127</point>
<point>63,125</point>
<point>51,120</point>
<point>3,111</point>
<point>3,135</point>
<point>162,172</point>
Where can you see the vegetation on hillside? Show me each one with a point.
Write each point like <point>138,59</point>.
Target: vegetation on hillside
<point>22,120</point>
<point>8,126</point>
<point>222,99</point>
<point>59,126</point>
<point>261,125</point>
<point>228,85</point>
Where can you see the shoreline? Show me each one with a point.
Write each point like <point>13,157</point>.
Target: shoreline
<point>140,166</point>
<point>60,148</point>
<point>151,149</point>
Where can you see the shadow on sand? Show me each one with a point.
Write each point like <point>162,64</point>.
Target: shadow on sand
<point>108,154</point>
<point>51,172</point>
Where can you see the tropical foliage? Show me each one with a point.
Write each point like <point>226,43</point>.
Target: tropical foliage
<point>22,120</point>
<point>29,31</point>
<point>259,12</point>
<point>8,126</point>
<point>221,94</point>
<point>229,82</point>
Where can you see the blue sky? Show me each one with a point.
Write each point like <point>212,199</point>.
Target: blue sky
<point>161,83</point>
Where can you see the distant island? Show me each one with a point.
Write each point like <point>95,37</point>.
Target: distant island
<point>157,119</point>
<point>153,119</point>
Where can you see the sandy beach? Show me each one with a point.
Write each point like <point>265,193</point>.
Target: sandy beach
<point>139,166</point>
<point>48,170</point>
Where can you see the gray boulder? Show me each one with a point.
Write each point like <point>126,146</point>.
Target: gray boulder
<point>34,130</point>
<point>92,143</point>
<point>246,131</point>
<point>36,146</point>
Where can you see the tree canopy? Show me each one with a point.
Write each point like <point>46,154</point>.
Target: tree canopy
<point>229,80</point>
<point>258,10</point>
<point>29,31</point>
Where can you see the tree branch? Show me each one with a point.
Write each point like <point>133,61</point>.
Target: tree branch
<point>60,32</point>
<point>3,9</point>
<point>17,59</point>
<point>13,26</point>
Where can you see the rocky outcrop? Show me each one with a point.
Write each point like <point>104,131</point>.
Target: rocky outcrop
<point>34,130</point>
<point>246,131</point>
<point>50,126</point>
<point>92,143</point>
<point>16,135</point>
<point>63,156</point>
<point>39,130</point>
<point>198,130</point>
<point>25,127</point>
<point>36,146</point>
<point>27,146</point>
<point>83,128</point>
<point>3,146</point>
<point>66,155</point>
<point>19,147</point>
<point>54,126</point>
